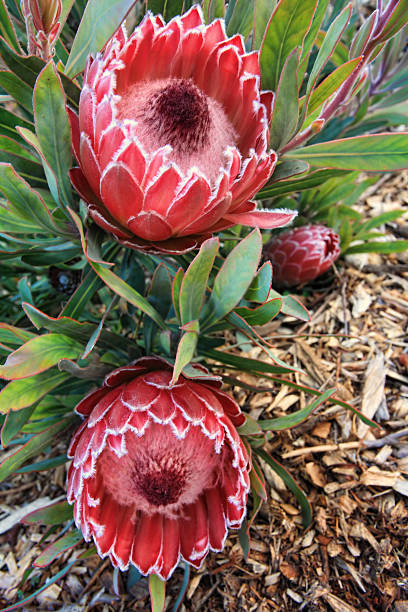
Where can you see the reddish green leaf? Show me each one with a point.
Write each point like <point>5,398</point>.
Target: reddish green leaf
<point>373,153</point>
<point>13,423</point>
<point>7,28</point>
<point>34,446</point>
<point>38,355</point>
<point>262,314</point>
<point>194,285</point>
<point>330,84</point>
<point>53,514</point>
<point>22,393</point>
<point>67,541</point>
<point>261,285</point>
<point>186,349</point>
<point>397,20</point>
<point>285,32</point>
<point>234,278</point>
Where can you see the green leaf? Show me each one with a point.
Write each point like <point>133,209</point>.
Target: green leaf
<point>373,153</point>
<point>14,336</point>
<point>239,17</point>
<point>291,306</point>
<point>310,38</point>
<point>262,314</point>
<point>160,298</point>
<point>90,284</point>
<point>291,484</point>
<point>53,129</point>
<point>32,140</point>
<point>157,588</point>
<point>395,246</point>
<point>125,291</point>
<point>285,32</point>
<point>82,332</point>
<point>386,217</point>
<point>22,393</point>
<point>46,464</point>
<point>99,21</point>
<point>175,294</point>
<point>330,84</point>
<point>53,514</point>
<point>328,46</point>
<point>194,285</point>
<point>7,29</point>
<point>261,285</point>
<point>13,423</point>
<point>23,199</point>
<point>213,9</point>
<point>34,446</point>
<point>314,179</point>
<point>185,349</point>
<point>66,542</point>
<point>14,86</point>
<point>291,420</point>
<point>234,278</point>
<point>285,113</point>
<point>242,363</point>
<point>38,355</point>
<point>397,20</point>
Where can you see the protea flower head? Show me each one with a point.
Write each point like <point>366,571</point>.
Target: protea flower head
<point>302,254</point>
<point>158,472</point>
<point>172,135</point>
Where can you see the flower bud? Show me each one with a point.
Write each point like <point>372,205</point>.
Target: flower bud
<point>302,254</point>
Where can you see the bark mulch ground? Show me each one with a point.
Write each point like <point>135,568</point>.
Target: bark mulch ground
<point>354,554</point>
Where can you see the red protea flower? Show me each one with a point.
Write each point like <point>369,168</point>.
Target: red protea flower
<point>302,254</point>
<point>158,472</point>
<point>172,135</point>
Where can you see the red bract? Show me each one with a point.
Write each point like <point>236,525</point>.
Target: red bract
<point>172,135</point>
<point>302,254</point>
<point>158,472</point>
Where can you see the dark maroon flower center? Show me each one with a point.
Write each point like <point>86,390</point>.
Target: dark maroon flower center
<point>181,115</point>
<point>162,487</point>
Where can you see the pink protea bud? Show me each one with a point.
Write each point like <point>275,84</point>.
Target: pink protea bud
<point>172,135</point>
<point>159,472</point>
<point>302,254</point>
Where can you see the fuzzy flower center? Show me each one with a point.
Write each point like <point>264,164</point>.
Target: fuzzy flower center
<point>179,112</point>
<point>160,472</point>
<point>176,112</point>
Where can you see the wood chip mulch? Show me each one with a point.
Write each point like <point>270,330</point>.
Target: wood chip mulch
<point>354,555</point>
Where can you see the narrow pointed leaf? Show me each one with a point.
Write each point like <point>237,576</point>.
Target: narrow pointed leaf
<point>375,153</point>
<point>120,287</point>
<point>66,542</point>
<point>53,129</point>
<point>291,484</point>
<point>194,285</point>
<point>291,420</point>
<point>285,112</point>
